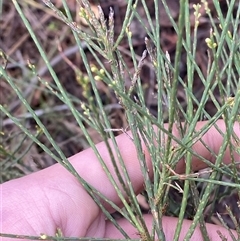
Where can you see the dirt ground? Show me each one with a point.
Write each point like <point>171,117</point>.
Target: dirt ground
<point>56,38</point>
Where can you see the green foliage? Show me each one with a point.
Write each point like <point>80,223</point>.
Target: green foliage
<point>223,63</point>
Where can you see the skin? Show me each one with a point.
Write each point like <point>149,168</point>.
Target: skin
<point>52,198</point>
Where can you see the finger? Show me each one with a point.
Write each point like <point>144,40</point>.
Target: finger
<point>169,227</point>
<point>213,141</point>
<point>89,167</point>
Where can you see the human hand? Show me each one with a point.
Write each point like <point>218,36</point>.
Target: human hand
<point>53,198</point>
